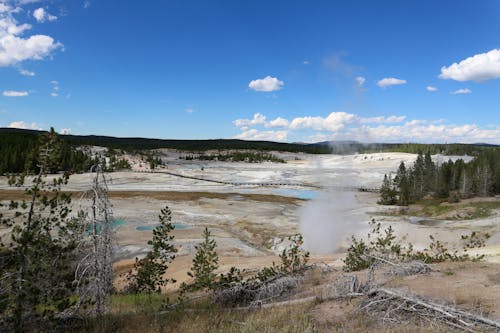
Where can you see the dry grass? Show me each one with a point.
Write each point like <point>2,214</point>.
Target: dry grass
<point>205,319</point>
<point>16,194</point>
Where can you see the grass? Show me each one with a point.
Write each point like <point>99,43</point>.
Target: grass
<point>438,208</point>
<point>17,194</point>
<point>203,318</point>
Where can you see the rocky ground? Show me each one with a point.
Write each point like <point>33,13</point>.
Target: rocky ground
<point>250,223</point>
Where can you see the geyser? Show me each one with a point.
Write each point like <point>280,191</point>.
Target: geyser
<point>327,220</point>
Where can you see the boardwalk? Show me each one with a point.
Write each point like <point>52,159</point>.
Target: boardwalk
<point>358,188</point>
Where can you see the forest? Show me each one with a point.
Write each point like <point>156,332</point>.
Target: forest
<point>16,146</point>
<point>451,179</point>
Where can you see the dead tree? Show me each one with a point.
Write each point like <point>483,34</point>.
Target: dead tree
<point>94,274</point>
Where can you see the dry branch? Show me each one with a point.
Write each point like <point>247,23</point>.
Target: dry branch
<point>395,306</point>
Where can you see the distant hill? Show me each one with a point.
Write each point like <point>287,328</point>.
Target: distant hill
<point>186,145</point>
<point>28,138</point>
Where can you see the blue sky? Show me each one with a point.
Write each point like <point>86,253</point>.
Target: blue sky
<point>409,71</point>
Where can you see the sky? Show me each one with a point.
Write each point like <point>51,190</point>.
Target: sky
<point>291,71</point>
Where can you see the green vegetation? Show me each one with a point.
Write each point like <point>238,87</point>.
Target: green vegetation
<point>134,144</point>
<point>148,276</point>
<point>205,262</point>
<point>449,180</point>
<point>436,208</point>
<point>249,157</point>
<point>383,245</point>
<point>37,266</point>
<point>17,150</point>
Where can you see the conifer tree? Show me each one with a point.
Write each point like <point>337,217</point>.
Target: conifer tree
<point>149,276</point>
<point>205,262</point>
<point>36,273</point>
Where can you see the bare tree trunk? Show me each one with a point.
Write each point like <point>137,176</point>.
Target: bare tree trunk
<point>94,274</point>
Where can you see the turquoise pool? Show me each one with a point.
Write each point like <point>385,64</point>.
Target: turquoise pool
<point>301,194</point>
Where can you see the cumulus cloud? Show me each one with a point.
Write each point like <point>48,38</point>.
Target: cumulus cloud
<point>258,119</point>
<point>53,94</point>
<point>334,122</point>
<point>480,67</point>
<point>390,81</point>
<point>266,84</point>
<point>24,125</point>
<point>461,91</point>
<point>278,122</point>
<point>15,93</point>
<point>360,81</point>
<point>14,46</point>
<point>382,119</point>
<point>346,126</point>
<point>254,134</point>
<point>431,88</point>
<point>65,131</point>
<point>41,15</point>
<point>189,110</point>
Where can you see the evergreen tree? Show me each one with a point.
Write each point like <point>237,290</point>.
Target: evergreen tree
<point>205,262</point>
<point>150,271</point>
<point>37,272</point>
<point>429,173</point>
<point>402,184</point>
<point>387,192</point>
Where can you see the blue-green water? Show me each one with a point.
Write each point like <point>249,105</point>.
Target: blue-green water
<point>301,194</point>
<point>116,224</point>
<point>177,226</point>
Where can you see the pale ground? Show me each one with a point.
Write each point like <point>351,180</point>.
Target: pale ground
<point>250,223</point>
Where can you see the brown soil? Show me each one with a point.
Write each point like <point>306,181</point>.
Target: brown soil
<point>16,194</point>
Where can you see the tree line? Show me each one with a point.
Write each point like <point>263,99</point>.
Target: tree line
<point>238,156</point>
<point>17,150</point>
<point>449,179</point>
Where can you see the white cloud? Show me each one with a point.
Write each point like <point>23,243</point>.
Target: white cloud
<point>14,48</point>
<point>189,110</point>
<point>334,122</point>
<point>431,88</point>
<point>41,15</point>
<point>54,82</point>
<point>382,119</point>
<point>56,88</point>
<point>253,134</point>
<point>390,81</point>
<point>26,2</point>
<point>14,93</point>
<point>23,125</point>
<point>346,126</point>
<point>26,72</point>
<point>480,67</point>
<point>360,81</point>
<point>65,131</point>
<point>86,4</point>
<point>461,91</point>
<point>258,119</point>
<point>278,122</point>
<point>306,62</point>
<point>54,94</point>
<point>266,84</point>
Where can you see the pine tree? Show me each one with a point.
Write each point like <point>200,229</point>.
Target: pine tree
<point>401,182</point>
<point>205,263</point>
<point>150,271</point>
<point>387,192</point>
<point>429,173</point>
<point>37,270</point>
